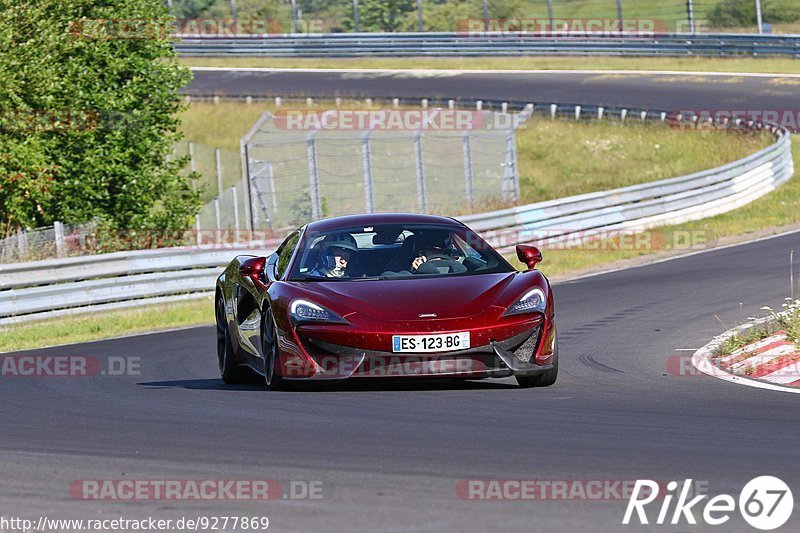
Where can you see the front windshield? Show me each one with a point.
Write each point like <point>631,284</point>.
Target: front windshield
<point>394,251</point>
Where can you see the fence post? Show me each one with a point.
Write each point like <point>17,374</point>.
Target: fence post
<point>420,168</point>
<point>550,14</point>
<point>509,167</point>
<point>216,214</point>
<point>619,14</point>
<point>247,171</point>
<point>192,166</point>
<point>485,15</point>
<point>197,230</point>
<point>366,157</point>
<point>235,213</point>
<point>313,179</point>
<point>419,16</point>
<point>272,191</point>
<point>219,171</point>
<point>294,16</point>
<point>690,12</point>
<point>22,243</point>
<point>759,19</point>
<point>468,168</point>
<point>355,15</point>
<point>58,229</point>
<point>248,219</point>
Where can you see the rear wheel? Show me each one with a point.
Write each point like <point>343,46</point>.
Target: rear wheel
<point>544,379</point>
<point>269,348</point>
<point>231,373</point>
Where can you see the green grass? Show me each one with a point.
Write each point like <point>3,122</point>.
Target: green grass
<point>89,327</point>
<point>559,158</point>
<point>778,208</point>
<point>734,64</point>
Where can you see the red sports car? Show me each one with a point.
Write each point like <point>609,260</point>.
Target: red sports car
<point>385,295</point>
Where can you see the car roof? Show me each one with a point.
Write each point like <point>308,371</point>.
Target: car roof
<point>373,219</point>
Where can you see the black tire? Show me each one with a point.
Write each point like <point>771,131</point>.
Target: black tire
<point>544,379</point>
<point>269,348</point>
<point>229,370</point>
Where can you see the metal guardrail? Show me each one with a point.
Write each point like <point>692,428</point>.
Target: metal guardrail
<point>42,289</point>
<point>489,44</point>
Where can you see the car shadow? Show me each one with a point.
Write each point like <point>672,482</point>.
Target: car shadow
<point>365,385</point>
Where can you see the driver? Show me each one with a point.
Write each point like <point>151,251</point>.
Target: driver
<point>434,247</point>
<point>338,252</point>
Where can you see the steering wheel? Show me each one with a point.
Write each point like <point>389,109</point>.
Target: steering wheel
<point>432,266</point>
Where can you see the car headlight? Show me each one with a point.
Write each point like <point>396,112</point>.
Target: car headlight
<point>531,301</point>
<point>306,311</point>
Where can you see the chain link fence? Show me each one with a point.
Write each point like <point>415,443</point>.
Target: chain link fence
<point>297,176</point>
<point>314,16</point>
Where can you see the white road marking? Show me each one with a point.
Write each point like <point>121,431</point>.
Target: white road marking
<point>439,72</point>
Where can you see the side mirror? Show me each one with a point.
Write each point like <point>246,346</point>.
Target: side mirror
<point>530,255</point>
<point>253,268</point>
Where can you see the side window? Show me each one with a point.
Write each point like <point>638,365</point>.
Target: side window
<point>285,254</point>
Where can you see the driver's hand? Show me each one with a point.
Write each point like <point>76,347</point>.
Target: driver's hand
<point>415,264</point>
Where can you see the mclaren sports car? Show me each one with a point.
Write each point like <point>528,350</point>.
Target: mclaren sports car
<point>385,296</point>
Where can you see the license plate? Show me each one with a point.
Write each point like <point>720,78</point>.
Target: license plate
<point>443,342</point>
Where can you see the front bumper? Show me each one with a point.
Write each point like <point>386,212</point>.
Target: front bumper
<point>518,355</point>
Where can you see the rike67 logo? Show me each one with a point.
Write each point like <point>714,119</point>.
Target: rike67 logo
<point>765,503</point>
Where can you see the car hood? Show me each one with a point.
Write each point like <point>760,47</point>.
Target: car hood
<point>404,300</point>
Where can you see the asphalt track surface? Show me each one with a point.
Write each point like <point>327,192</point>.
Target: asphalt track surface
<point>389,456</point>
<point>657,91</point>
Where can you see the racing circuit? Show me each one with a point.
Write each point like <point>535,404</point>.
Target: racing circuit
<point>391,455</point>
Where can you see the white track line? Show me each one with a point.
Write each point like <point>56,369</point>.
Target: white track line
<point>439,72</point>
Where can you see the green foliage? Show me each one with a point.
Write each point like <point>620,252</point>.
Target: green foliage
<point>384,15</point>
<point>733,13</point>
<point>89,115</point>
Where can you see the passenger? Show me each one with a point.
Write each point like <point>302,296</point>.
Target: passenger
<point>338,253</point>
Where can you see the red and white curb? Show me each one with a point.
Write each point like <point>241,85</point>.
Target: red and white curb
<point>771,363</point>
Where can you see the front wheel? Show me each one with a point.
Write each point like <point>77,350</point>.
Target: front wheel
<point>544,379</point>
<point>231,373</point>
<point>269,349</point>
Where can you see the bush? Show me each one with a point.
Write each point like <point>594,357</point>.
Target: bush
<point>737,13</point>
<point>89,115</point>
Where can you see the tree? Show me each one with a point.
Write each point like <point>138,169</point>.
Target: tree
<point>88,113</point>
<point>384,15</point>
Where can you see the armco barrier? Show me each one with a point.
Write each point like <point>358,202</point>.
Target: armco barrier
<point>44,289</point>
<point>488,44</point>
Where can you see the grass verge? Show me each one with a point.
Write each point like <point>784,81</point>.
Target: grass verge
<point>683,64</point>
<point>774,210</point>
<point>90,327</point>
